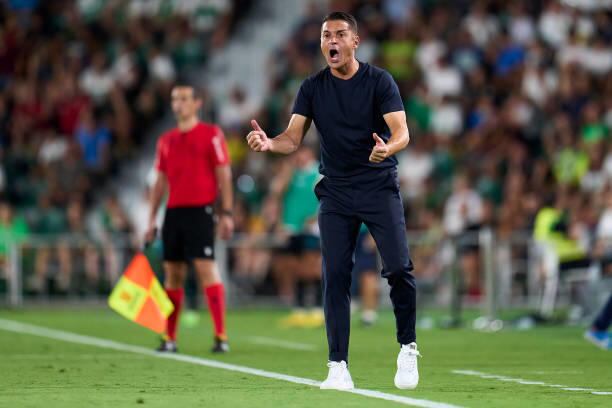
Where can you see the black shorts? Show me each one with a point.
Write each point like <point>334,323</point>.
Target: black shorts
<point>188,233</point>
<point>299,243</point>
<point>366,259</point>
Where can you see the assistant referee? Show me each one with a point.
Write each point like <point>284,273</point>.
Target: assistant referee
<point>192,166</point>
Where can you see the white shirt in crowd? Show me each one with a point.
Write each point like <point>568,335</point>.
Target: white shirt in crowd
<point>554,25</point>
<point>604,226</point>
<point>538,85</point>
<point>97,84</point>
<point>124,70</point>
<point>413,170</point>
<point>429,52</point>
<point>232,113</point>
<point>443,81</point>
<point>447,119</point>
<point>461,210</point>
<point>522,29</point>
<point>162,68</point>
<point>597,60</point>
<point>53,149</point>
<point>482,27</point>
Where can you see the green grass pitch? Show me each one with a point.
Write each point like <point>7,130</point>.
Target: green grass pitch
<point>37,371</point>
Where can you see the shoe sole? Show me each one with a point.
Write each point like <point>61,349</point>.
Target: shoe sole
<point>596,342</point>
<point>409,387</point>
<point>405,387</point>
<point>352,387</point>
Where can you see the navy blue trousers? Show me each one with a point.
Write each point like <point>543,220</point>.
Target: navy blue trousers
<point>603,321</point>
<point>345,204</point>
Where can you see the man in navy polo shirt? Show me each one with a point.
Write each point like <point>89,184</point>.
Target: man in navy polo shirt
<point>360,118</point>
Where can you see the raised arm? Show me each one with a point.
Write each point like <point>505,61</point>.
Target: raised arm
<point>286,142</point>
<point>399,137</point>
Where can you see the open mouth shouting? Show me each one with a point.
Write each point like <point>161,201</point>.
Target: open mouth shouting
<point>334,55</point>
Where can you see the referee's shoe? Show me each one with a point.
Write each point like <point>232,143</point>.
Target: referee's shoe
<point>167,346</point>
<point>220,345</point>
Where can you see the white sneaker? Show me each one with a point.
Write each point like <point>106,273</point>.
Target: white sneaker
<point>338,378</point>
<point>407,376</point>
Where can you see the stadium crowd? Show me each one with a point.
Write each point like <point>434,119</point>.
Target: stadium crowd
<point>509,107</point>
<point>81,84</point>
<point>510,110</point>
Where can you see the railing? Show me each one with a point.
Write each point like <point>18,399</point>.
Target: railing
<point>507,265</point>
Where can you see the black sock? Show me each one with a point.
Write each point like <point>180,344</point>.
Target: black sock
<point>318,301</point>
<point>300,293</point>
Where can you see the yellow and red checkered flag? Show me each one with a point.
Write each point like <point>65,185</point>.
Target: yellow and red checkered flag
<point>139,297</point>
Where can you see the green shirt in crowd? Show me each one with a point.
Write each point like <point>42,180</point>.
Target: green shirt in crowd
<point>300,203</point>
<point>15,232</point>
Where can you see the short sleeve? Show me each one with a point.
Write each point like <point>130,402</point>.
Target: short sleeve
<point>303,101</point>
<point>161,156</point>
<point>388,95</point>
<point>219,154</point>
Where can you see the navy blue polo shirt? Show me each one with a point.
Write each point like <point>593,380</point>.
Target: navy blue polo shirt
<point>346,112</point>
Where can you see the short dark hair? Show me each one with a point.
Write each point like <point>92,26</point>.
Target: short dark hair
<point>197,92</point>
<point>341,15</point>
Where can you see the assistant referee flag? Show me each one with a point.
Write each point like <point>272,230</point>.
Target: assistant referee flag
<point>138,296</point>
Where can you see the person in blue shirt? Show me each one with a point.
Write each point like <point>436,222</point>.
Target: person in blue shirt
<point>359,115</point>
<point>598,333</point>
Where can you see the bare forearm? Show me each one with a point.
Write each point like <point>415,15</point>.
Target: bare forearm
<point>398,141</point>
<point>284,144</point>
<point>224,179</point>
<point>155,197</point>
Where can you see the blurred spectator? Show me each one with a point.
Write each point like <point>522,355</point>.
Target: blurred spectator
<point>2,181</point>
<point>73,249</point>
<point>92,72</point>
<point>556,232</point>
<point>554,24</point>
<point>366,276</point>
<point>97,80</point>
<point>239,106</point>
<point>603,236</point>
<point>415,167</point>
<point>481,25</point>
<point>463,217</point>
<point>117,237</point>
<point>441,77</point>
<point>515,94</point>
<point>297,264</point>
<point>94,139</point>
<point>251,257</point>
<point>13,231</point>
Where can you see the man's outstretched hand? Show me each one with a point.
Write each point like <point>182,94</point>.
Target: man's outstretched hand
<point>257,138</point>
<point>380,151</point>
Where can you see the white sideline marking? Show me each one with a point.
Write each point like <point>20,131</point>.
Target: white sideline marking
<point>24,328</point>
<point>39,356</point>
<point>526,382</point>
<point>577,389</point>
<point>268,341</point>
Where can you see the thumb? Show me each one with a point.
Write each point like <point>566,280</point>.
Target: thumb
<point>255,125</point>
<point>378,140</point>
